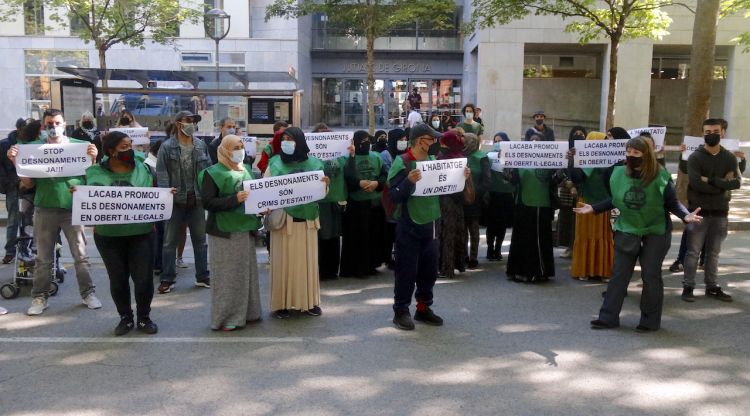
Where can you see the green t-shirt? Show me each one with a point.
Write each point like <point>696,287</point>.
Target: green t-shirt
<point>368,169</point>
<point>55,192</point>
<point>277,167</point>
<point>641,208</point>
<point>334,169</point>
<point>229,182</point>
<point>421,209</point>
<point>474,127</point>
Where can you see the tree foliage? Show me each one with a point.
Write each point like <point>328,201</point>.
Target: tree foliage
<point>736,7</point>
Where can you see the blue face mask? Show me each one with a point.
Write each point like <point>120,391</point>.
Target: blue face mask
<point>288,147</point>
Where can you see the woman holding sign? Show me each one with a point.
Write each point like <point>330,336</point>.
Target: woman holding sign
<point>452,231</point>
<point>294,247</point>
<point>643,192</point>
<point>235,290</point>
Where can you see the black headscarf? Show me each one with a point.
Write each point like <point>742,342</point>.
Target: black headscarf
<point>393,137</point>
<point>572,137</point>
<point>359,137</point>
<point>619,133</point>
<point>300,149</point>
<point>378,146</point>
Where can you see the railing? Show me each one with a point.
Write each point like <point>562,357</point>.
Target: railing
<point>410,40</point>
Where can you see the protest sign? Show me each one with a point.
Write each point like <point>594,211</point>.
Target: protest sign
<point>52,160</point>
<point>692,143</point>
<point>138,134</point>
<point>534,155</point>
<point>495,164</point>
<point>284,191</point>
<point>329,145</point>
<point>251,145</point>
<point>440,177</point>
<point>599,153</point>
<point>657,132</point>
<point>98,205</point>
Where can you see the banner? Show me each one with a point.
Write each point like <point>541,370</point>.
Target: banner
<point>440,177</point>
<point>52,160</point>
<point>284,191</point>
<point>495,164</point>
<point>599,153</point>
<point>657,132</point>
<point>329,145</point>
<point>692,143</point>
<point>534,155</point>
<point>138,134</point>
<point>98,205</point>
<point>251,145</point>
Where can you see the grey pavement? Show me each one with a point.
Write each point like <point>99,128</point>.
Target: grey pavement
<point>506,349</point>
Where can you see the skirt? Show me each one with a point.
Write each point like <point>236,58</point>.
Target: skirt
<point>530,253</point>
<point>594,247</point>
<point>235,290</point>
<point>295,283</point>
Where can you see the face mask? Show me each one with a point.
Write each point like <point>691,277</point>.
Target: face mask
<point>496,146</point>
<point>127,156</point>
<point>238,156</point>
<point>712,139</point>
<point>469,116</point>
<point>231,131</point>
<point>436,123</point>
<point>634,162</point>
<point>363,148</point>
<point>401,145</point>
<point>434,149</point>
<point>88,125</point>
<point>382,139</point>
<point>288,147</point>
<point>44,135</point>
<point>539,121</point>
<point>187,129</point>
<point>124,121</point>
<point>55,131</point>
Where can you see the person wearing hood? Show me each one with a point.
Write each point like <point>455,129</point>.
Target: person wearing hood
<point>397,145</point>
<point>540,128</point>
<point>381,141</point>
<point>479,165</point>
<point>567,192</point>
<point>451,228</point>
<point>235,289</point>
<point>363,219</point>
<point>274,148</point>
<point>227,126</point>
<point>331,209</point>
<point>295,282</point>
<point>500,215</point>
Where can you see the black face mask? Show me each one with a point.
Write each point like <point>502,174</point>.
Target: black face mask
<point>124,121</point>
<point>633,162</point>
<point>127,156</point>
<point>539,122</point>
<point>363,149</point>
<point>712,139</point>
<point>434,149</point>
<point>88,125</point>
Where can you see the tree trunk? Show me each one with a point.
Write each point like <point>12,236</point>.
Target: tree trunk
<point>614,43</point>
<point>370,82</point>
<point>700,77</point>
<point>105,79</point>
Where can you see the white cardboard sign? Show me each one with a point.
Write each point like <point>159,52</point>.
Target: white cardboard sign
<point>440,177</point>
<point>657,132</point>
<point>693,143</point>
<point>52,160</point>
<point>599,153</point>
<point>329,145</point>
<point>98,205</point>
<point>284,191</point>
<point>495,164</point>
<point>533,155</point>
<point>251,145</point>
<point>138,134</point>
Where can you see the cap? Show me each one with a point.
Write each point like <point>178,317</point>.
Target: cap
<point>20,123</point>
<point>183,114</point>
<point>538,113</point>
<point>422,129</point>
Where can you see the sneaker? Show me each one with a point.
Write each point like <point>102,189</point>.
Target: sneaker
<point>147,326</point>
<point>676,267</point>
<point>402,319</point>
<point>181,264</point>
<point>314,311</point>
<point>203,283</point>
<point>428,316</point>
<point>92,302</point>
<point>717,293</point>
<point>165,287</point>
<point>282,314</point>
<point>687,294</point>
<point>126,325</point>
<point>38,305</point>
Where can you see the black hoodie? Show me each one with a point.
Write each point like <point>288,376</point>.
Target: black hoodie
<point>714,195</point>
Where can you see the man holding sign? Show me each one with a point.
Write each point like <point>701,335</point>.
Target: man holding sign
<point>53,203</point>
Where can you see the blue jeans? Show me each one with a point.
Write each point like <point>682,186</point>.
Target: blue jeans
<point>711,232</point>
<point>195,218</point>
<point>11,232</point>
<point>416,264</point>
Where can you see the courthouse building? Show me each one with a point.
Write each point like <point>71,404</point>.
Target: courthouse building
<point>509,71</point>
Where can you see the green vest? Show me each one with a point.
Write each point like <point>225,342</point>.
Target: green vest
<point>535,187</point>
<point>368,169</point>
<point>268,150</point>
<point>229,182</point>
<point>139,177</point>
<point>594,189</point>
<point>421,209</point>
<point>475,165</point>
<point>278,167</point>
<point>641,209</point>
<point>54,192</point>
<point>334,169</point>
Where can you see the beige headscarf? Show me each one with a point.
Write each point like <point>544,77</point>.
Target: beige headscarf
<point>225,150</point>
<point>471,142</point>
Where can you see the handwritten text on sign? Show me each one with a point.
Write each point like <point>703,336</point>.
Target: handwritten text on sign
<point>52,160</point>
<point>138,134</point>
<point>440,177</point>
<point>657,132</point>
<point>534,155</point>
<point>94,205</point>
<point>251,145</point>
<point>284,191</point>
<point>599,153</point>
<point>329,145</point>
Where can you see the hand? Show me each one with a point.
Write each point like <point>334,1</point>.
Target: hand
<point>584,210</point>
<point>26,183</point>
<point>693,217</point>
<point>72,189</point>
<point>326,180</point>
<point>704,179</point>
<point>363,184</point>
<point>571,153</point>
<point>266,212</point>
<point>467,173</point>
<point>92,151</point>
<point>12,153</point>
<point>372,186</point>
<point>242,196</point>
<point>683,147</point>
<point>729,175</point>
<point>414,176</point>
<point>351,150</point>
<point>173,191</point>
<point>740,154</point>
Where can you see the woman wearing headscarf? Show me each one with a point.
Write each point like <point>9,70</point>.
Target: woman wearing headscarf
<point>331,209</point>
<point>451,230</point>
<point>530,258</point>
<point>500,215</point>
<point>593,249</point>
<point>363,219</point>
<point>397,145</point>
<point>126,249</point>
<point>479,165</point>
<point>295,283</point>
<point>381,141</point>
<point>235,291</point>
<point>566,219</point>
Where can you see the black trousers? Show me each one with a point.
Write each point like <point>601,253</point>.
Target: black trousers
<point>129,257</point>
<point>416,264</point>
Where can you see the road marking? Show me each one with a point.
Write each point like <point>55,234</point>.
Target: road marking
<point>150,340</point>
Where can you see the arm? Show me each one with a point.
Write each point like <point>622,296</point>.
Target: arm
<point>731,180</point>
<point>742,164</point>
<point>212,202</point>
<point>381,178</point>
<point>694,178</point>
<point>263,163</point>
<point>602,206</point>
<point>672,204</point>
<point>351,176</point>
<point>400,188</point>
<point>162,175</point>
<point>485,178</point>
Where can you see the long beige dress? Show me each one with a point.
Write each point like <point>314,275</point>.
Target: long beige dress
<point>295,283</point>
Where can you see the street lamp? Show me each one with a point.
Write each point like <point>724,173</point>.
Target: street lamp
<point>213,22</point>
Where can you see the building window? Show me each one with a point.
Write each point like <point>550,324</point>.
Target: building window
<point>678,67</point>
<point>40,66</point>
<point>559,66</point>
<point>33,17</point>
<point>78,24</point>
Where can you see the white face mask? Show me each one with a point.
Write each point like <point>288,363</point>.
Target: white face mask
<point>469,116</point>
<point>238,156</point>
<point>435,123</point>
<point>231,131</point>
<point>401,145</point>
<point>288,147</point>
<point>56,131</point>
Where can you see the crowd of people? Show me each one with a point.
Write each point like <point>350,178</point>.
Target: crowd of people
<point>371,218</point>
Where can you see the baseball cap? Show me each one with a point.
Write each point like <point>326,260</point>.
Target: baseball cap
<point>182,114</point>
<point>422,129</point>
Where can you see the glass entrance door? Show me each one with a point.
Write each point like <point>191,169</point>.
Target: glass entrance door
<point>354,103</point>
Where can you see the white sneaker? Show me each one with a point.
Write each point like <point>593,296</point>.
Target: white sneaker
<point>3,311</point>
<point>181,264</point>
<point>92,302</point>
<point>38,305</point>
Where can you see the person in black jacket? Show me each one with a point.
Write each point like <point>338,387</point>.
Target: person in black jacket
<point>9,187</point>
<point>227,127</point>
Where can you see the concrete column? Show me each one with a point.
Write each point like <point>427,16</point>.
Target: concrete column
<point>633,84</point>
<point>737,93</point>
<point>500,87</point>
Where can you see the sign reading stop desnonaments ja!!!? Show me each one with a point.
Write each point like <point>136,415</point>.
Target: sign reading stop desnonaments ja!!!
<point>52,160</point>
